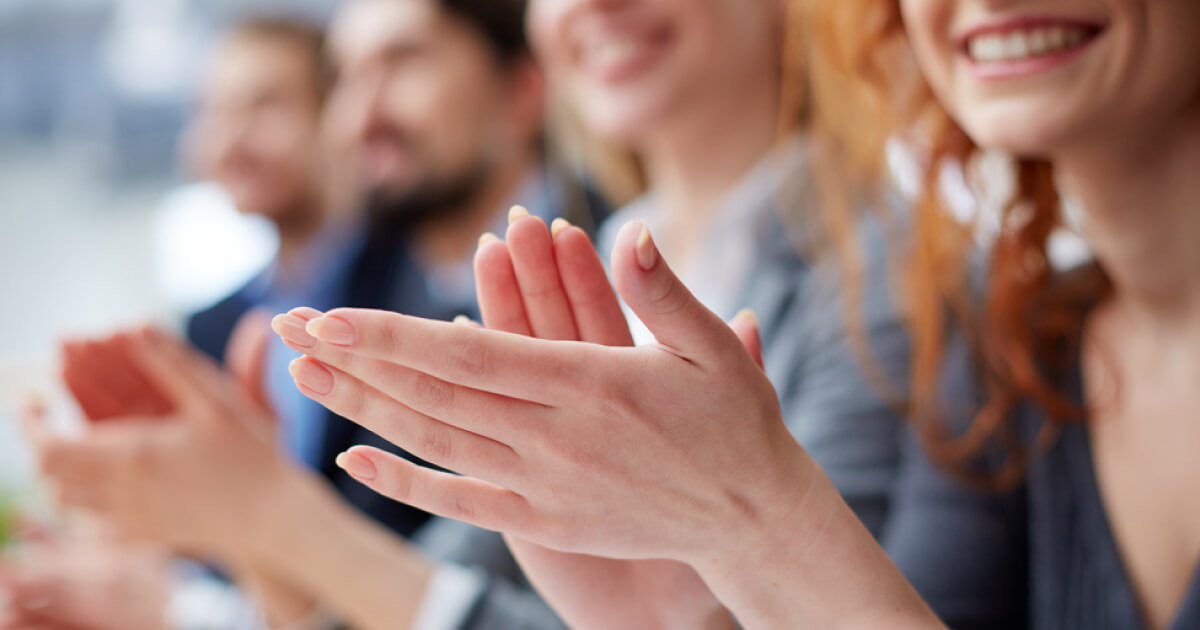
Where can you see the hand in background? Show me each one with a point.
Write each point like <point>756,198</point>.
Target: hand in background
<point>198,478</point>
<point>82,582</point>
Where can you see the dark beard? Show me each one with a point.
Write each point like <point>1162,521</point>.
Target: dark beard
<point>392,217</point>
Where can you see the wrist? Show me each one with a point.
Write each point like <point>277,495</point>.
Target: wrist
<point>288,504</point>
<point>803,556</point>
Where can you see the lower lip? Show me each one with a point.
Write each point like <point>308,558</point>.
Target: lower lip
<point>1020,68</point>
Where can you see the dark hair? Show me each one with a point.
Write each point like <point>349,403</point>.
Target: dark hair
<point>308,39</point>
<point>500,22</point>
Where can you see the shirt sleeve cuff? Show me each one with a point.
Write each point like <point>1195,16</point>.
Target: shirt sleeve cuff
<point>448,600</point>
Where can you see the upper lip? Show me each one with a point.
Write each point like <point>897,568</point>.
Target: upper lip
<point>1024,23</point>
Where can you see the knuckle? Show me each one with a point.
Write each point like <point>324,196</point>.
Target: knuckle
<point>400,486</point>
<point>460,508</point>
<point>471,358</point>
<point>435,444</point>
<point>669,299</point>
<point>431,393</point>
<point>355,402</point>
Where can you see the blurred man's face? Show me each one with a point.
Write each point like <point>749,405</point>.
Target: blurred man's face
<point>420,106</point>
<point>256,132</point>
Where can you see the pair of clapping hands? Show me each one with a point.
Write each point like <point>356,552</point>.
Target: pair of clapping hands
<point>662,458</point>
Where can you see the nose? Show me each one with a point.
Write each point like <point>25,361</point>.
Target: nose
<point>361,111</point>
<point>227,139</point>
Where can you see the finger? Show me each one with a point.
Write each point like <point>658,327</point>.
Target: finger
<point>246,354</point>
<point>598,314</point>
<point>436,442</point>
<point>463,499</point>
<point>532,249</point>
<point>483,413</point>
<point>95,401</point>
<point>518,367</point>
<point>499,294</point>
<point>656,295</point>
<point>745,326</point>
<point>80,496</point>
<point>192,381</point>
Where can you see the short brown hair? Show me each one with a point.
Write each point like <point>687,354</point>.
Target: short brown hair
<point>308,40</point>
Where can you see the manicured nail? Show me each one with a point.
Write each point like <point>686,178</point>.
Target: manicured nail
<point>291,328</point>
<point>647,253</point>
<point>332,330</point>
<point>559,226</point>
<point>487,237</point>
<point>517,212</point>
<point>312,375</point>
<point>357,466</point>
<point>747,315</point>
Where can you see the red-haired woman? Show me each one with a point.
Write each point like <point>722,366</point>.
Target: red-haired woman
<point>1073,392</point>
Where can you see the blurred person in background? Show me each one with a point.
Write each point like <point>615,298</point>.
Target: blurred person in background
<point>438,107</point>
<point>256,132</point>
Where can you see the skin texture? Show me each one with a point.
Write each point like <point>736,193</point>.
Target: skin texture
<point>507,412</point>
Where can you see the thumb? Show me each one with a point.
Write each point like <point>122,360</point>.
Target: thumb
<point>745,326</point>
<point>656,295</point>
<point>246,354</point>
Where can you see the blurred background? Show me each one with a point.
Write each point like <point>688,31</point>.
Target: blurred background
<point>96,217</point>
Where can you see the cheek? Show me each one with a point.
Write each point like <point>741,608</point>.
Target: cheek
<point>544,23</point>
<point>927,24</point>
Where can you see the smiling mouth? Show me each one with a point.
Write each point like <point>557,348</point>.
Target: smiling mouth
<point>1028,42</point>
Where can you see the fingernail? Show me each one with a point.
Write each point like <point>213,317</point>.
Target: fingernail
<point>357,466</point>
<point>291,328</point>
<point>647,253</point>
<point>487,237</point>
<point>332,330</point>
<point>517,212</point>
<point>748,316</point>
<point>312,375</point>
<point>462,320</point>
<point>559,226</point>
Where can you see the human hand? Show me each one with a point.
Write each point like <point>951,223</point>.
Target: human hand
<point>551,284</point>
<point>199,479</point>
<point>654,452</point>
<point>75,582</point>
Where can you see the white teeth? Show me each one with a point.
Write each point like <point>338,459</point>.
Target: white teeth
<point>1025,44</point>
<point>611,52</point>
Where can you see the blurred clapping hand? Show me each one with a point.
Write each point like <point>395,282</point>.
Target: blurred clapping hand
<point>176,447</point>
<point>83,581</point>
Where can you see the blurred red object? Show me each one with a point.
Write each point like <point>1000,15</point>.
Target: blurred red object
<point>109,383</point>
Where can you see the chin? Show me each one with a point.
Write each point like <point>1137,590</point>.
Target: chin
<point>622,122</point>
<point>1025,133</point>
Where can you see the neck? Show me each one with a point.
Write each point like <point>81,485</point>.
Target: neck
<point>296,229</point>
<point>1142,218</point>
<point>448,242</point>
<point>695,160</point>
